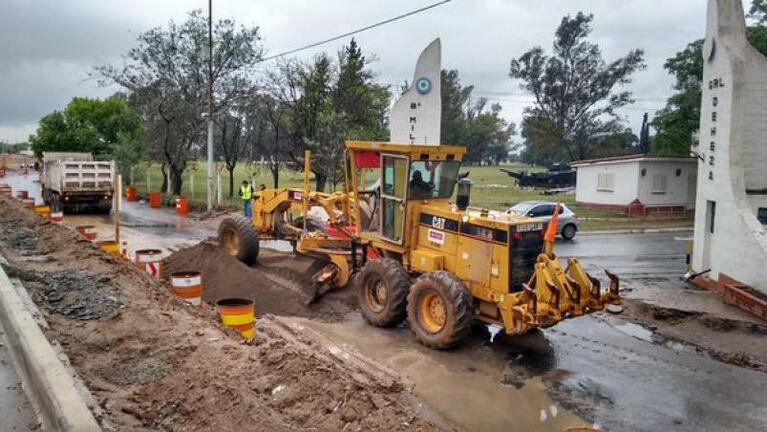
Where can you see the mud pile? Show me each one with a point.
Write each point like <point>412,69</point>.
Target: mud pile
<point>276,284</point>
<point>157,363</point>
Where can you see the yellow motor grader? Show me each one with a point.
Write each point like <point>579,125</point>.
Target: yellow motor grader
<point>417,255</point>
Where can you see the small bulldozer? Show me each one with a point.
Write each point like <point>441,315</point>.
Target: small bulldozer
<point>403,230</point>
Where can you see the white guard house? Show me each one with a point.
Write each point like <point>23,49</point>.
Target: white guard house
<point>637,184</point>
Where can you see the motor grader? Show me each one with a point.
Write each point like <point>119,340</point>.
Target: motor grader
<point>415,254</point>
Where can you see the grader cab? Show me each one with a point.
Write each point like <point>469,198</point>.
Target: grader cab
<point>417,255</point>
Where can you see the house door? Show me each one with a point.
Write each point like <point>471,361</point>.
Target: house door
<point>393,196</point>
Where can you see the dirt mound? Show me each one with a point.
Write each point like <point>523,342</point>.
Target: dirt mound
<point>275,283</point>
<point>157,363</point>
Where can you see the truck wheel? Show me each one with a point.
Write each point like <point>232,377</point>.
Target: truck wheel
<point>382,287</point>
<point>238,238</point>
<point>440,310</point>
<point>568,231</point>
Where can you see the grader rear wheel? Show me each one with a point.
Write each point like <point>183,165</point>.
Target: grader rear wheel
<point>238,239</point>
<point>440,310</point>
<point>382,288</point>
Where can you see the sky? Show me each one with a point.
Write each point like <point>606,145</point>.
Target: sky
<point>47,47</point>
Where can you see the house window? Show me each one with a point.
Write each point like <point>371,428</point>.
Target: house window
<point>606,182</point>
<point>659,184</point>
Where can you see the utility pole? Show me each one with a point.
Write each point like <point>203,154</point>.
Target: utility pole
<point>210,106</point>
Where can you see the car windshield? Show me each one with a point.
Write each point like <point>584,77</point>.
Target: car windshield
<point>433,179</point>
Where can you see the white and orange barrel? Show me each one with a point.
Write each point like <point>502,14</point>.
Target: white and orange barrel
<point>87,231</point>
<point>29,203</point>
<point>188,286</point>
<point>6,191</point>
<point>22,195</point>
<point>150,260</point>
<point>57,218</point>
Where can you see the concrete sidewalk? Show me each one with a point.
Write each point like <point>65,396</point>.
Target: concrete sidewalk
<point>16,411</point>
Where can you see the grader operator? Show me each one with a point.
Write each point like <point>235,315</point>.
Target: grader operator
<point>416,255</point>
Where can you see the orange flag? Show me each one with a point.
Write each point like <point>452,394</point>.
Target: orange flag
<point>551,231</point>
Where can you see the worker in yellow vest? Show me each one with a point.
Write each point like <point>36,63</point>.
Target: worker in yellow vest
<point>246,194</point>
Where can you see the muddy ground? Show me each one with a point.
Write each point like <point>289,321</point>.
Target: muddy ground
<point>154,363</point>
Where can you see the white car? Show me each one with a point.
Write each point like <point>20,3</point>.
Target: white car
<point>568,222</point>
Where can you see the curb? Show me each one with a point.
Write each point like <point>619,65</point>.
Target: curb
<point>48,383</point>
<point>637,231</point>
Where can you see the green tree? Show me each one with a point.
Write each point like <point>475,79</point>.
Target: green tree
<point>473,122</point>
<point>327,102</point>
<point>167,77</point>
<point>679,120</point>
<point>576,91</point>
<point>107,128</point>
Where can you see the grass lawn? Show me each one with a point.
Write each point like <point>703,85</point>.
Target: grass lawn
<point>492,189</point>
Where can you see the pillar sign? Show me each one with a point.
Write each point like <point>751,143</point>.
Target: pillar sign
<point>417,115</point>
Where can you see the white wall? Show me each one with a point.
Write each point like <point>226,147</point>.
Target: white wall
<point>626,183</point>
<point>738,246</point>
<point>677,193</point>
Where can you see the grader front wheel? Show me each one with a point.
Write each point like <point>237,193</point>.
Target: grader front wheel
<point>382,287</point>
<point>238,239</point>
<point>440,310</point>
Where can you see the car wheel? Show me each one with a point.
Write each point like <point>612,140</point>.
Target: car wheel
<point>568,232</point>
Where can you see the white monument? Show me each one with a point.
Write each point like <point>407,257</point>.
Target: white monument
<point>417,115</point>
<point>730,243</point>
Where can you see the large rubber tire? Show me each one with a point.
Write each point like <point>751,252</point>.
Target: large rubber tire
<point>382,287</point>
<point>440,310</point>
<point>568,231</point>
<point>239,239</point>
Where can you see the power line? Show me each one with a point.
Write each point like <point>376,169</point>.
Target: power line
<point>353,32</point>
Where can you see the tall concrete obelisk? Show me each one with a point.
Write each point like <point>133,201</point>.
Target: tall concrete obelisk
<point>417,115</point>
<point>731,208</point>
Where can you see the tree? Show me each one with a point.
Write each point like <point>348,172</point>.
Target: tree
<point>576,92</point>
<point>108,128</point>
<point>679,120</point>
<point>644,135</point>
<point>473,122</point>
<point>167,76</point>
<point>327,102</point>
<point>230,143</point>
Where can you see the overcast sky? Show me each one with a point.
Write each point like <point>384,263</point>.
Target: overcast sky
<point>47,47</point>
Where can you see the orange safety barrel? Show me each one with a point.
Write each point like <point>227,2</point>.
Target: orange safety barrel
<point>150,260</point>
<point>188,286</point>
<point>57,218</point>
<point>87,231</point>
<point>43,211</point>
<point>22,195</point>
<point>110,247</point>
<point>2,171</point>
<point>29,203</point>
<point>131,194</point>
<point>182,206</point>
<point>6,191</point>
<point>238,314</point>
<point>155,200</point>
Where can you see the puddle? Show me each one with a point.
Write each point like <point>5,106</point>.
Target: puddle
<point>635,330</point>
<point>465,386</point>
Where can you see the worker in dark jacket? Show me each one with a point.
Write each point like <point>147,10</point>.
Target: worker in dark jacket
<point>246,194</point>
